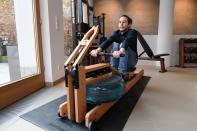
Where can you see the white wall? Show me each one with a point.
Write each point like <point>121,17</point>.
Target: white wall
<point>52,39</point>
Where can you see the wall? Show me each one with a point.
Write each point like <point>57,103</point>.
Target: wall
<point>67,27</point>
<point>143,12</point>
<point>185,18</point>
<point>145,16</point>
<point>52,39</point>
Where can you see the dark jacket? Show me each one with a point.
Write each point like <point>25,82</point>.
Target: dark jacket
<point>128,39</point>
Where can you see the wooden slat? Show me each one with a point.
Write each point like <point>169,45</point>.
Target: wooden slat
<point>133,81</point>
<point>70,98</point>
<point>181,53</point>
<point>91,32</point>
<point>94,79</point>
<point>89,37</point>
<point>95,67</point>
<point>80,97</point>
<point>97,112</point>
<point>85,44</point>
<point>73,55</point>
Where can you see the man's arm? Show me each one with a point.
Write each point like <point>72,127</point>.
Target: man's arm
<point>130,39</point>
<point>116,54</point>
<point>104,45</point>
<point>108,42</point>
<point>95,52</point>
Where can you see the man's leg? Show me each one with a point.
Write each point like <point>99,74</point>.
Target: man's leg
<point>122,68</point>
<point>123,63</point>
<point>114,61</point>
<point>128,61</point>
<point>132,58</point>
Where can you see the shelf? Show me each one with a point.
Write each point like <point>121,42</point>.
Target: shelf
<point>190,65</point>
<point>190,45</point>
<point>188,52</point>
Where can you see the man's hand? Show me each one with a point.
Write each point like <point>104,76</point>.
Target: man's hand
<point>95,52</point>
<point>116,54</point>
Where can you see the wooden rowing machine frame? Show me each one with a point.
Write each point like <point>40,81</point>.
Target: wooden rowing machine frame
<point>76,79</point>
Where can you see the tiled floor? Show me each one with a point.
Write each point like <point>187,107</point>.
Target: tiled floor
<point>9,117</point>
<point>168,103</point>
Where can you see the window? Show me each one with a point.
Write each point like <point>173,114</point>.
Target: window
<point>21,70</point>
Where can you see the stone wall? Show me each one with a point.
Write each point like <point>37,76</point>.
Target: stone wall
<point>67,27</point>
<point>7,20</point>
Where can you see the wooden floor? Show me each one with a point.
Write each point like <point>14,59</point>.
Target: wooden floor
<point>169,103</point>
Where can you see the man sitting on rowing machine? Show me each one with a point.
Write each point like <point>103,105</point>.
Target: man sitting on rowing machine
<point>124,43</point>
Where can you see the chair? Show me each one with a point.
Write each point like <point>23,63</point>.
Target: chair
<point>150,54</point>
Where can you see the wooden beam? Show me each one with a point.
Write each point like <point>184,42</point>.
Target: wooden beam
<point>80,97</point>
<point>96,67</point>
<point>70,98</point>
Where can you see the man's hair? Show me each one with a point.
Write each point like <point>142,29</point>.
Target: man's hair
<point>130,21</point>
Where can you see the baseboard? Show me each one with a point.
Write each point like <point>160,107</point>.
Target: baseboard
<point>50,84</point>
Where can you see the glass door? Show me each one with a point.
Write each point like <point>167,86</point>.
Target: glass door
<point>21,64</point>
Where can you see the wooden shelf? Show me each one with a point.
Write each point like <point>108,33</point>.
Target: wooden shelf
<point>188,52</point>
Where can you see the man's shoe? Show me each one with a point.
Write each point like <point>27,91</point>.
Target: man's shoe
<point>131,69</point>
<point>127,76</point>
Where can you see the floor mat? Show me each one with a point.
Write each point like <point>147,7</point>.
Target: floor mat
<point>114,120</point>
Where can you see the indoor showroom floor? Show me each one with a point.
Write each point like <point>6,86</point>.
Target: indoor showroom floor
<point>168,103</point>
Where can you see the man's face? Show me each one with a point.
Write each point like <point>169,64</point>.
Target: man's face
<point>123,24</point>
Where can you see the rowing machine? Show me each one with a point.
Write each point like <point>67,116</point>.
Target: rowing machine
<point>77,77</point>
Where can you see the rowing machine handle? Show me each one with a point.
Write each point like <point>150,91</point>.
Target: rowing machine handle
<point>109,54</point>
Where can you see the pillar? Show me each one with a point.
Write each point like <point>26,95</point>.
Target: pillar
<point>165,29</point>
